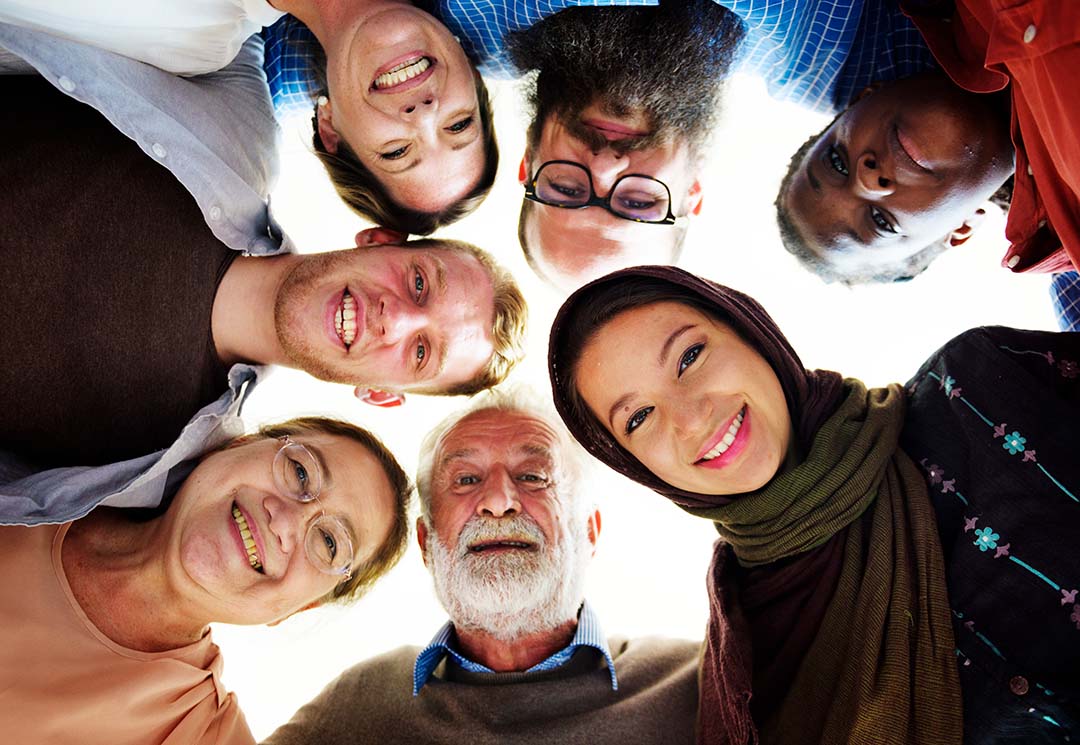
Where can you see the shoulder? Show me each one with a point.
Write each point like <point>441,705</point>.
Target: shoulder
<point>653,656</point>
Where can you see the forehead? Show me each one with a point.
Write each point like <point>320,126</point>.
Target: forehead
<point>584,244</point>
<point>495,435</point>
<point>442,177</point>
<point>462,310</point>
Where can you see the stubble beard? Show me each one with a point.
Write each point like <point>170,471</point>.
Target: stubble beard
<point>511,594</point>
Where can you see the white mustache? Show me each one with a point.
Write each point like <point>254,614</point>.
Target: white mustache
<point>479,529</point>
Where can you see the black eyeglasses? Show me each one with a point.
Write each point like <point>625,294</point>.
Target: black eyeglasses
<point>566,184</point>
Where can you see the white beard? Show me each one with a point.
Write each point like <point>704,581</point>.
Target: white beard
<point>514,593</point>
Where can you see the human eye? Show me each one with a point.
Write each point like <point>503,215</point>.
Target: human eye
<point>461,125</point>
<point>300,475</point>
<point>567,189</point>
<point>638,418</point>
<point>329,543</point>
<point>466,479</point>
<point>836,161</point>
<point>637,202</point>
<point>421,353</point>
<point>395,154</point>
<point>419,285</point>
<point>881,221</point>
<point>689,357</point>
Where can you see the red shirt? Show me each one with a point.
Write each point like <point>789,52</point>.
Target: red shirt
<point>984,45</point>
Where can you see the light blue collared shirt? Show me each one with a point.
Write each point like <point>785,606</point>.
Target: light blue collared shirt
<point>588,634</point>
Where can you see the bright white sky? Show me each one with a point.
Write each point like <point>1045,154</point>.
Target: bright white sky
<point>649,573</point>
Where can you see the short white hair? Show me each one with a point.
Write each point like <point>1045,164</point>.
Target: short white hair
<point>570,458</point>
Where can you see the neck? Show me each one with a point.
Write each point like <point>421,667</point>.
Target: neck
<point>242,320</point>
<point>117,573</point>
<point>515,655</point>
<point>330,20</point>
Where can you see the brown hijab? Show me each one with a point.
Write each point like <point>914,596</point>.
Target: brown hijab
<point>833,625</point>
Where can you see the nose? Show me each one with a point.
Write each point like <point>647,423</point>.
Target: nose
<point>871,180</point>
<point>690,416</point>
<point>288,521</point>
<point>499,498</point>
<point>606,166</point>
<point>423,103</point>
<point>398,319</point>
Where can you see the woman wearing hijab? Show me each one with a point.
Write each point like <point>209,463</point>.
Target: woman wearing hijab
<point>106,618</point>
<point>895,565</point>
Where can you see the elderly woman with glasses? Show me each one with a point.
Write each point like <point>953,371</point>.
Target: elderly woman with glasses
<point>107,618</point>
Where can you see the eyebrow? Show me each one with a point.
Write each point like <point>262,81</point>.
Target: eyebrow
<point>440,282</point>
<point>328,478</point>
<point>456,455</point>
<point>665,350</point>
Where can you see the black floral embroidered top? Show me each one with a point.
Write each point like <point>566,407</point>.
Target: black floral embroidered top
<point>994,420</point>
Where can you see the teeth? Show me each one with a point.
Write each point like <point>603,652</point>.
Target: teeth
<point>728,438</point>
<point>401,73</point>
<point>249,541</point>
<point>345,319</point>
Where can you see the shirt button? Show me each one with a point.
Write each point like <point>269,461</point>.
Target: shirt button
<point>1030,172</point>
<point>1042,224</point>
<point>66,83</point>
<point>159,150</point>
<point>215,213</point>
<point>1018,685</point>
<point>1013,261</point>
<point>1029,34</point>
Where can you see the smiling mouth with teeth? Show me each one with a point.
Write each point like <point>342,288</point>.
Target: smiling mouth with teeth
<point>249,541</point>
<point>728,438</point>
<point>401,73</point>
<point>345,319</point>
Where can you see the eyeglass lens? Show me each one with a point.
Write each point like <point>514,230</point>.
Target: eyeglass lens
<point>327,543</point>
<point>635,197</point>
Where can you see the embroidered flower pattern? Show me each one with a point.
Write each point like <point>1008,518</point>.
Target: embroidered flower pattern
<point>934,473</point>
<point>947,384</point>
<point>1002,551</point>
<point>1075,617</point>
<point>969,523</point>
<point>948,485</point>
<point>987,539</point>
<point>999,431</point>
<point>1029,455</point>
<point>1049,357</point>
<point>1068,596</point>
<point>1014,443</point>
<point>1069,369</point>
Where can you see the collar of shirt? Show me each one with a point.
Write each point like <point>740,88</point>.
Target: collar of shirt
<point>588,634</point>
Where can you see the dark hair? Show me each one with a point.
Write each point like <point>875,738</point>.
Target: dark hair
<point>393,546</point>
<point>365,195</point>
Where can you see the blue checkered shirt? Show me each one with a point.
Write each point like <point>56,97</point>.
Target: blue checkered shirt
<point>1065,290</point>
<point>588,634</point>
<point>818,53</point>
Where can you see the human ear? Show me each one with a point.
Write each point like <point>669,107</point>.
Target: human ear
<point>380,237</point>
<point>694,198</point>
<point>382,399</point>
<point>594,528</point>
<point>309,606</point>
<point>523,169</point>
<point>324,115</point>
<point>960,235</point>
<point>421,538</point>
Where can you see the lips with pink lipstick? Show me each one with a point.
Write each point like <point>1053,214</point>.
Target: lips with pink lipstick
<point>726,445</point>
<point>403,73</point>
<point>346,319</point>
<point>247,538</point>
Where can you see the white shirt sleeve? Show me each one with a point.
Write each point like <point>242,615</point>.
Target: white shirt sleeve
<point>186,37</point>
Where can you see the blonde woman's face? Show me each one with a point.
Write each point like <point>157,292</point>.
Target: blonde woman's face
<point>403,96</point>
<point>683,393</point>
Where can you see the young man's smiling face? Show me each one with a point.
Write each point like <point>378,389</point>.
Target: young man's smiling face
<point>901,169</point>
<point>388,316</point>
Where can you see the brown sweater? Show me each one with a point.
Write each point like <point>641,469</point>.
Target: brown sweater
<point>373,703</point>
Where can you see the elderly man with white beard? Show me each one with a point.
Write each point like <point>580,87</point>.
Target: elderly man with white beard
<point>508,536</point>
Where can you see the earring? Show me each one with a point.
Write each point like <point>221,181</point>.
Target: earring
<point>322,101</point>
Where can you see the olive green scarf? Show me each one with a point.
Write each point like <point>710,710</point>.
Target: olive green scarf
<point>881,667</point>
